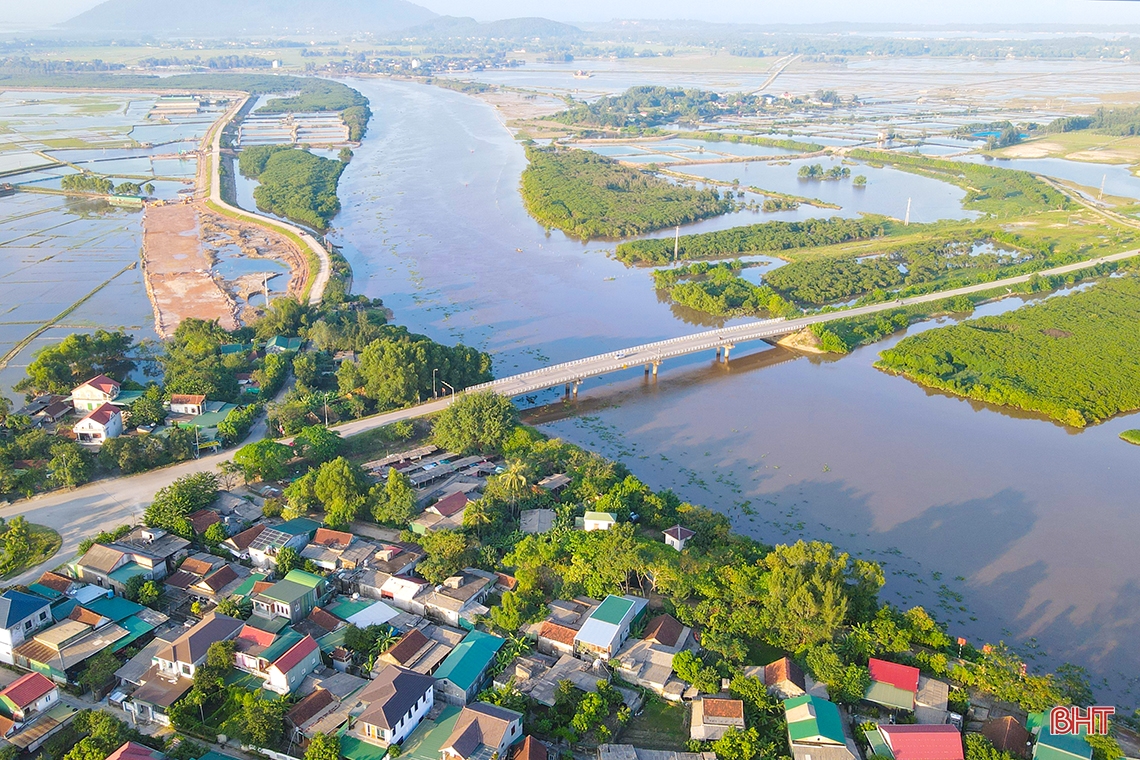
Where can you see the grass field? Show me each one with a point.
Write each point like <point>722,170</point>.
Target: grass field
<point>660,725</point>
<point>44,542</point>
<point>1132,436</point>
<point>1078,146</point>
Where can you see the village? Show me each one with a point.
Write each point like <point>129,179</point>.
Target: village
<point>339,631</point>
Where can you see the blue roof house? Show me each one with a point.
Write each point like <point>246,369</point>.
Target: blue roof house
<point>20,616</point>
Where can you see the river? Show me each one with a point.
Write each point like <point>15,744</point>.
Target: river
<point>1006,526</point>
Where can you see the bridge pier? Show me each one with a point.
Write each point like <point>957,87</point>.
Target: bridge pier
<point>577,385</point>
<point>726,350</point>
<point>655,366</point>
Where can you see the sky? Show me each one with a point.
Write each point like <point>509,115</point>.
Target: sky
<point>47,12</point>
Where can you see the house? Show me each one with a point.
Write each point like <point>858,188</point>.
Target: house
<point>422,649</point>
<point>607,627</point>
<point>397,701</point>
<point>311,708</point>
<point>133,751</point>
<point>183,655</point>
<point>629,752</point>
<point>460,597</point>
<point>239,544</point>
<point>463,673</point>
<point>285,674</point>
<point>1007,735</point>
<point>931,702</point>
<point>531,749</point>
<point>150,552</point>
<point>555,483</point>
<point>192,405</point>
<point>1052,746</point>
<point>537,521</point>
<point>54,412</point>
<point>912,742</point>
<point>292,597</point>
<point>714,716</point>
<point>28,696</point>
<point>336,550</point>
<point>677,536</point>
<point>60,651</point>
<point>99,425</point>
<point>295,534</point>
<point>598,521</point>
<point>784,679</point>
<point>482,731</point>
<point>445,514</point>
<point>648,661</point>
<point>20,615</point>
<point>815,729</point>
<point>94,393</point>
<point>203,519</point>
<point>280,344</point>
<point>555,638</point>
<point>538,676</point>
<point>892,685</point>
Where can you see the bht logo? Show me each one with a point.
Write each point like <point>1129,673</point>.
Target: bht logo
<point>1070,720</point>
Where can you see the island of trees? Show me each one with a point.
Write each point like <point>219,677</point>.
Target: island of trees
<point>1073,359</point>
<point>293,183</point>
<point>648,106</point>
<point>719,290</point>
<point>587,195</point>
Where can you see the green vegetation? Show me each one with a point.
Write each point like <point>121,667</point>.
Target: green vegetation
<point>173,504</point>
<point>25,545</point>
<point>991,190</point>
<point>87,183</point>
<point>771,205</point>
<point>1131,436</point>
<point>767,142</point>
<point>60,367</point>
<point>717,289</point>
<point>819,174</point>
<point>293,183</point>
<point>1109,121</point>
<point>587,195</point>
<point>756,238</point>
<point>1073,359</point>
<point>648,106</point>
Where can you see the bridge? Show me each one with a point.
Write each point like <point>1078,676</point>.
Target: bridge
<point>570,375</point>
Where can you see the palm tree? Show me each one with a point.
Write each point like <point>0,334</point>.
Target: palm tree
<point>515,483</point>
<point>477,515</point>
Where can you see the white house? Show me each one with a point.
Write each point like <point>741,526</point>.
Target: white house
<point>193,405</point>
<point>94,393</point>
<point>290,669</point>
<point>598,521</point>
<point>605,631</point>
<point>183,655</point>
<point>398,699</point>
<point>101,425</point>
<point>677,536</point>
<point>29,696</point>
<point>20,616</point>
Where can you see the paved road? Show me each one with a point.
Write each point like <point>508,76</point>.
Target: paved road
<point>108,503</point>
<point>324,271</point>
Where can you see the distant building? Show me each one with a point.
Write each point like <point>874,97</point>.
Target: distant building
<point>149,552</point>
<point>1007,735</point>
<point>784,679</point>
<point>280,344</point>
<point>598,521</point>
<point>94,393</point>
<point>193,405</point>
<point>648,661</point>
<point>292,597</point>
<point>815,729</point>
<point>100,425</point>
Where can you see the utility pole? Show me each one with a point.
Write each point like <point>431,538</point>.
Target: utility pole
<point>676,245</point>
<point>265,288</point>
<point>434,392</point>
<point>907,222</point>
<point>1102,181</point>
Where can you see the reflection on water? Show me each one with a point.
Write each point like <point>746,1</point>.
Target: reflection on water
<point>785,445</point>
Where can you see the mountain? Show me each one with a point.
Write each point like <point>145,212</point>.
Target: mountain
<point>453,27</point>
<point>249,18</point>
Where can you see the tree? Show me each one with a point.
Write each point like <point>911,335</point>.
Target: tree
<point>512,612</point>
<point>229,473</point>
<point>305,369</point>
<point>317,444</point>
<point>17,546</point>
<point>100,671</point>
<point>193,362</point>
<point>395,503</point>
<point>264,460</point>
<point>215,534</point>
<point>448,552</point>
<point>341,487</point>
<point>476,422</point>
<point>70,465</point>
<point>240,608</point>
<point>323,747</point>
<point>288,559</point>
<point>260,722</point>
<point>173,504</point>
<point>978,747</point>
<point>76,359</point>
<point>149,593</point>
<point>738,745</point>
<point>148,409</point>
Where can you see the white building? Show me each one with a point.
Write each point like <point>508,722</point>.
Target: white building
<point>20,616</point>
<point>99,426</point>
<point>677,536</point>
<point>598,521</point>
<point>193,405</point>
<point>94,393</point>
<point>398,699</point>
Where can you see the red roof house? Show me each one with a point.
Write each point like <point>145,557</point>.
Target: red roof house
<point>450,505</point>
<point>28,696</point>
<point>913,742</point>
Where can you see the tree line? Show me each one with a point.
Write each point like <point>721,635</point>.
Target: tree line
<point>293,183</point>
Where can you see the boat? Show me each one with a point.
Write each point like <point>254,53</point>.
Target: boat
<point>582,74</point>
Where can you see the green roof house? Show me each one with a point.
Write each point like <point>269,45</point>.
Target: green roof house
<point>815,729</point>
<point>598,521</point>
<point>1061,746</point>
<point>279,344</point>
<point>607,628</point>
<point>463,674</point>
<point>292,597</point>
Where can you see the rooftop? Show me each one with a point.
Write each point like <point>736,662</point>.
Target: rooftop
<point>192,646</point>
<point>923,742</point>
<point>16,606</point>
<point>470,659</point>
<point>27,689</point>
<point>812,720</point>
<point>391,694</point>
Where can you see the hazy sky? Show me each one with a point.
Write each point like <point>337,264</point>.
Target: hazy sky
<point>47,12</point>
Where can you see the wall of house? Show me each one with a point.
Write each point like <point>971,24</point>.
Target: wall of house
<point>285,683</point>
<point>10,638</point>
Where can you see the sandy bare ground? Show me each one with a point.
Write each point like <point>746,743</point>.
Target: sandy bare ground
<point>177,269</point>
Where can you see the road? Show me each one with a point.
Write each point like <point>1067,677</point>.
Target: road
<point>106,504</point>
<point>214,139</point>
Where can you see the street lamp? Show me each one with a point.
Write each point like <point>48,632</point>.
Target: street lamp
<point>434,393</point>
<point>448,386</point>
